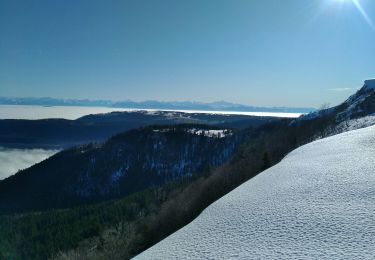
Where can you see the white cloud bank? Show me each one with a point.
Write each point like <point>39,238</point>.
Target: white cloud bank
<point>12,160</point>
<point>71,112</point>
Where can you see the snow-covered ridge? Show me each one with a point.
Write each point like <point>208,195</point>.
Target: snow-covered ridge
<point>355,103</point>
<point>353,107</point>
<point>318,203</point>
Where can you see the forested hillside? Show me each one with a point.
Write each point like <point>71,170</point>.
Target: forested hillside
<point>124,164</point>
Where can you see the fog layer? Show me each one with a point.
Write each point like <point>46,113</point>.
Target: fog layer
<point>70,112</point>
<point>12,160</point>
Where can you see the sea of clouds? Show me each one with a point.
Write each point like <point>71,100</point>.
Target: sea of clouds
<point>13,160</point>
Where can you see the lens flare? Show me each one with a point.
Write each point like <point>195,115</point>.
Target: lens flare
<point>364,14</point>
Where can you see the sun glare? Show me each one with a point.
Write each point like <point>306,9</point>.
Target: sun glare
<point>361,10</point>
<point>364,14</point>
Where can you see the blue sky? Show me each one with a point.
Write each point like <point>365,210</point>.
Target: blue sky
<point>258,52</point>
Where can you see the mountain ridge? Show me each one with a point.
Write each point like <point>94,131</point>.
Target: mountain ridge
<point>356,112</point>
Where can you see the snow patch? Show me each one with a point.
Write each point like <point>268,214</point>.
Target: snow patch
<point>211,133</point>
<point>116,175</point>
<point>165,130</point>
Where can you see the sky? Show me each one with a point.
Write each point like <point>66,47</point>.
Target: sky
<point>296,53</point>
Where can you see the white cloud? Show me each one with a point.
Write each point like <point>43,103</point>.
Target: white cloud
<point>340,89</point>
<point>12,160</point>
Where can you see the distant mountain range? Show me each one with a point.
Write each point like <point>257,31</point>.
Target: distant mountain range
<point>151,104</point>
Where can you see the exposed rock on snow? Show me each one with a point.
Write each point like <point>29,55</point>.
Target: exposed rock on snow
<point>370,84</point>
<point>318,203</point>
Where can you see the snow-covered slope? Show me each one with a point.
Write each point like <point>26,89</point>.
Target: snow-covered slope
<point>318,203</point>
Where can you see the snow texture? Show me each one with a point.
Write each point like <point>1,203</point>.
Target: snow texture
<point>318,203</point>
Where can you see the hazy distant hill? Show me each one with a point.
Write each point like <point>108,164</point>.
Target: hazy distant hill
<point>62,133</point>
